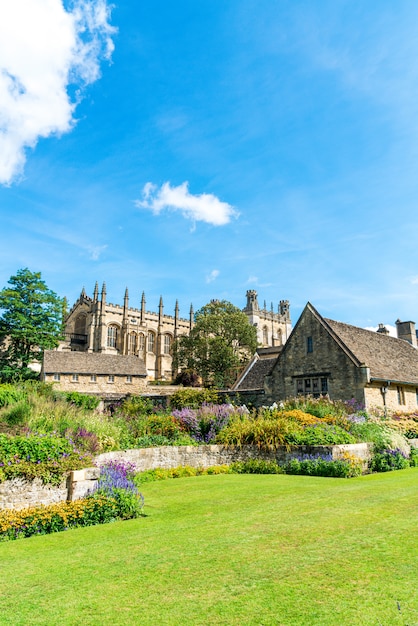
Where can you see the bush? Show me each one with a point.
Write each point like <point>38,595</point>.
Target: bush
<point>116,482</point>
<point>337,468</point>
<point>9,394</point>
<point>47,457</point>
<point>179,472</point>
<point>136,405</point>
<point>266,434</point>
<point>388,460</point>
<point>57,517</point>
<point>193,398</point>
<point>17,414</point>
<point>153,441</point>
<point>82,400</point>
<point>256,466</point>
<point>204,423</point>
<point>321,435</point>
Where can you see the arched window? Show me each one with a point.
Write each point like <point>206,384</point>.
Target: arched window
<point>141,343</point>
<point>265,336</point>
<point>132,343</point>
<point>151,342</point>
<point>167,344</point>
<point>112,332</point>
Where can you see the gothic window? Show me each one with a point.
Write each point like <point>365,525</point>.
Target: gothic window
<point>265,336</point>
<point>132,343</point>
<point>111,336</point>
<point>141,343</point>
<point>167,344</point>
<point>151,342</point>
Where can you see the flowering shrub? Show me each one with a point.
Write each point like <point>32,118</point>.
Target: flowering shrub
<point>389,460</point>
<point>57,517</point>
<point>116,482</point>
<point>204,423</point>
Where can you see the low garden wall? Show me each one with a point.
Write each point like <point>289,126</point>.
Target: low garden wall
<point>19,493</point>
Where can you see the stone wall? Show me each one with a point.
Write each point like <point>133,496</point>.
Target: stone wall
<point>205,456</point>
<point>19,493</point>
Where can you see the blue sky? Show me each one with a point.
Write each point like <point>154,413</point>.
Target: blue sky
<point>199,148</point>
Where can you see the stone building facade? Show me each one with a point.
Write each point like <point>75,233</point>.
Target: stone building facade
<point>325,357</point>
<point>273,328</point>
<point>106,375</point>
<point>94,325</point>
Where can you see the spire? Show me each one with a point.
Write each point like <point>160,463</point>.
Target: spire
<point>143,307</point>
<point>83,293</point>
<point>96,292</point>
<point>103,295</point>
<point>125,306</point>
<point>191,316</point>
<point>160,311</point>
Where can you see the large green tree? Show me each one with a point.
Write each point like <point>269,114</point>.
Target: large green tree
<point>219,344</point>
<point>30,322</point>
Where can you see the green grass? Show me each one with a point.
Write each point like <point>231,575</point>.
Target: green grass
<point>230,550</point>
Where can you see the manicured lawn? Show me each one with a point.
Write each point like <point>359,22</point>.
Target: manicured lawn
<point>230,549</point>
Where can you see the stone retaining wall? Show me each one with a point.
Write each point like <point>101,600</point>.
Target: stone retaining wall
<point>19,493</point>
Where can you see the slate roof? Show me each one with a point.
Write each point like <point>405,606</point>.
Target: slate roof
<point>65,362</point>
<point>387,357</point>
<point>253,376</point>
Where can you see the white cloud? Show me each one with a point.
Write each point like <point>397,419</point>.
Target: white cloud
<point>96,251</point>
<point>212,276</point>
<point>43,50</point>
<point>203,207</point>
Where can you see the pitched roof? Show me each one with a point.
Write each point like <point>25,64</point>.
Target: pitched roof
<point>253,376</point>
<point>65,362</point>
<point>387,357</point>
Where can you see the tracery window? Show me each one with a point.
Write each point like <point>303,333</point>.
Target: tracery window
<point>151,342</point>
<point>132,343</point>
<point>167,344</point>
<point>111,336</point>
<point>141,343</point>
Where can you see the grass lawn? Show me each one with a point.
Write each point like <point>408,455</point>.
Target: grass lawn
<point>230,549</point>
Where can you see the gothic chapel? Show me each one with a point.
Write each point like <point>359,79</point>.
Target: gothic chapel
<point>94,325</point>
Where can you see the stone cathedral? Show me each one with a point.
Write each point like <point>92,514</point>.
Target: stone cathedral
<point>96,326</point>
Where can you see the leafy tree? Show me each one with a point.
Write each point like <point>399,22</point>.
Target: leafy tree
<point>30,323</point>
<point>220,343</point>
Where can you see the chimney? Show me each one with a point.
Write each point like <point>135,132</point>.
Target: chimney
<point>406,331</point>
<point>382,330</point>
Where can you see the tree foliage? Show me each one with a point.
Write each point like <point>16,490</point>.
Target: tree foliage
<point>30,322</point>
<point>221,341</point>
